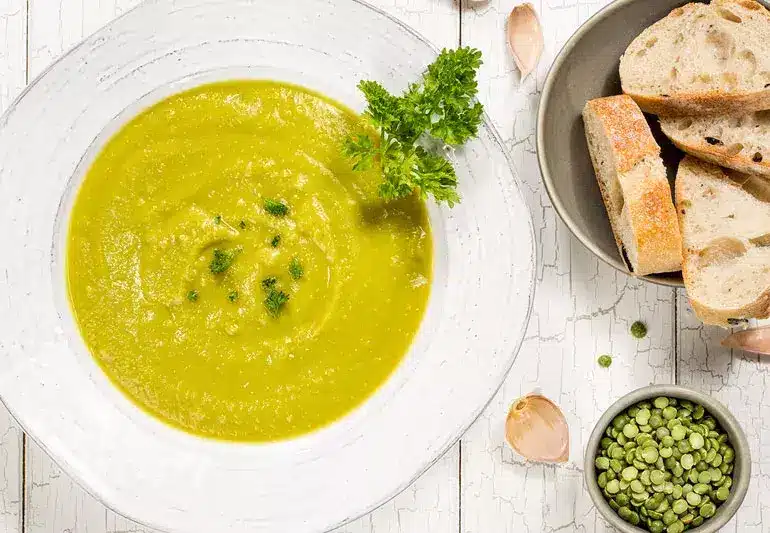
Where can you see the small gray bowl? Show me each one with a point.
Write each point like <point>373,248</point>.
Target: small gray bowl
<point>741,472</point>
<point>587,68</point>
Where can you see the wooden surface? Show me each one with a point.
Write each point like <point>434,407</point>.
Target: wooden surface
<point>582,309</point>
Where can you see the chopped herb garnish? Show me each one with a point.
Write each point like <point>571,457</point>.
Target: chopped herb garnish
<point>192,296</point>
<point>218,219</point>
<point>233,296</point>
<point>275,302</point>
<point>639,329</point>
<point>276,208</point>
<point>223,259</point>
<point>242,224</point>
<point>295,269</point>
<point>412,130</point>
<point>604,360</point>
<point>276,241</point>
<point>269,282</point>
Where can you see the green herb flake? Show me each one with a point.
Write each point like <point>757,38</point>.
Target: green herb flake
<point>242,224</point>
<point>269,282</point>
<point>295,269</point>
<point>192,296</point>
<point>275,241</point>
<point>223,259</point>
<point>218,219</point>
<point>233,296</point>
<point>604,360</point>
<point>639,329</point>
<point>276,208</point>
<point>440,111</point>
<point>275,302</point>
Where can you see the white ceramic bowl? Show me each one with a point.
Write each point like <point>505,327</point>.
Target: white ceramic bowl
<point>476,317</point>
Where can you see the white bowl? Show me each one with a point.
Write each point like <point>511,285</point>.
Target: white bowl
<point>165,478</point>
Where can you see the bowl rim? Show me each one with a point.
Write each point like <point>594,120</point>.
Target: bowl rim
<point>668,279</point>
<point>725,418</point>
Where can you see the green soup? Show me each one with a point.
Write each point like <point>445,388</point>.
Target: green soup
<point>201,347</point>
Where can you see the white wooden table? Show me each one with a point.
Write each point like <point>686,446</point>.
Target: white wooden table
<point>583,308</point>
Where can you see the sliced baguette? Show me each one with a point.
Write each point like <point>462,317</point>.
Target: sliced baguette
<point>725,221</point>
<point>702,59</point>
<point>633,183</point>
<point>740,142</point>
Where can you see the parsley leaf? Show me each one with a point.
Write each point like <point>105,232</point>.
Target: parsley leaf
<point>295,269</point>
<point>275,302</point>
<point>233,296</point>
<point>218,219</point>
<point>269,282</point>
<point>242,224</point>
<point>223,259</point>
<point>276,208</point>
<point>192,296</point>
<point>275,241</point>
<point>410,131</point>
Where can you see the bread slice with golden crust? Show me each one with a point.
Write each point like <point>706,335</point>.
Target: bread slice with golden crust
<point>702,59</point>
<point>740,142</point>
<point>633,183</point>
<point>725,221</point>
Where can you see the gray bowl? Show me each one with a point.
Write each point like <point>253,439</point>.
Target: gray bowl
<point>741,471</point>
<point>586,68</point>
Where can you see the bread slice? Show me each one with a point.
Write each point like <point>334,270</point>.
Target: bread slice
<point>725,221</point>
<point>633,183</point>
<point>702,59</point>
<point>740,142</point>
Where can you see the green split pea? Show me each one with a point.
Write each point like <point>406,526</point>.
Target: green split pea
<point>665,465</point>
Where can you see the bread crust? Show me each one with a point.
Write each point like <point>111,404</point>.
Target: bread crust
<point>648,201</point>
<point>705,103</point>
<point>627,128</point>
<point>656,229</point>
<point>709,153</point>
<point>759,308</point>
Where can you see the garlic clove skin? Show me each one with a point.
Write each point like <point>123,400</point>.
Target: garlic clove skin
<point>537,430</point>
<point>756,340</point>
<point>525,38</point>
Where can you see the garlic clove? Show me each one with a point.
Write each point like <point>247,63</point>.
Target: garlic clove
<point>756,340</point>
<point>537,429</point>
<point>525,38</point>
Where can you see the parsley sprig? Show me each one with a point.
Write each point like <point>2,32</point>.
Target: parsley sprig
<point>275,299</point>
<point>276,207</point>
<point>296,270</point>
<point>223,260</point>
<point>442,110</point>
